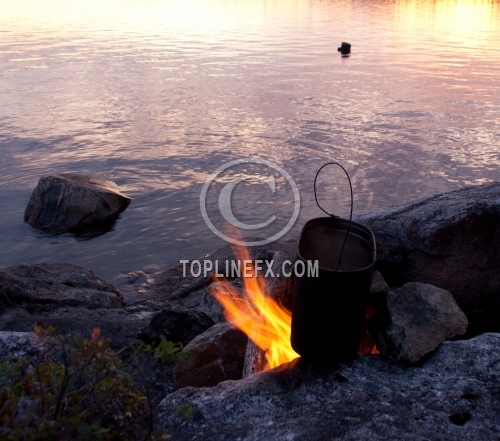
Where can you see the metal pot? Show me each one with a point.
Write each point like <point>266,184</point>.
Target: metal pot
<point>328,308</point>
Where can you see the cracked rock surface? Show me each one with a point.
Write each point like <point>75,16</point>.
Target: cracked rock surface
<point>454,395</point>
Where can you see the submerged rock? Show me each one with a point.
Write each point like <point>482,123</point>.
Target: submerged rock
<point>450,240</point>
<point>370,399</point>
<point>214,356</point>
<point>176,324</point>
<point>71,202</point>
<point>417,318</point>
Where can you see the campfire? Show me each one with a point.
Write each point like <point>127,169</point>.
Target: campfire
<point>263,319</point>
<point>258,315</point>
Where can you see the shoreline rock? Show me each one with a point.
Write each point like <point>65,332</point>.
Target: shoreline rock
<point>415,320</point>
<point>453,395</point>
<point>450,240</point>
<point>179,325</point>
<point>214,356</point>
<point>73,300</point>
<point>60,284</point>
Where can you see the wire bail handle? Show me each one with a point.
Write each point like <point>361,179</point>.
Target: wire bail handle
<point>332,215</point>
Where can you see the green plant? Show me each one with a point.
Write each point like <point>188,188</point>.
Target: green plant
<point>80,389</point>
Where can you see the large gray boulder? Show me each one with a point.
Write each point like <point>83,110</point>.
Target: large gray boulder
<point>417,318</point>
<point>71,202</point>
<point>450,240</point>
<point>454,395</point>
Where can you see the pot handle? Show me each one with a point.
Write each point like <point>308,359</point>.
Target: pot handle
<point>332,215</point>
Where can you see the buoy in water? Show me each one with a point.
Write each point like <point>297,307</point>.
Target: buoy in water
<point>345,48</point>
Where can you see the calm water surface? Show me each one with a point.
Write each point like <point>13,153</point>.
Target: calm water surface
<point>156,94</point>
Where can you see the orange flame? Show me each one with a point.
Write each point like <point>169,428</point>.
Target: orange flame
<point>261,318</point>
<point>367,346</point>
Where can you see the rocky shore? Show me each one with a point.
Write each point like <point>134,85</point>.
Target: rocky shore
<point>438,262</point>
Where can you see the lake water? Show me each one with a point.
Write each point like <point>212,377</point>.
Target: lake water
<point>157,94</point>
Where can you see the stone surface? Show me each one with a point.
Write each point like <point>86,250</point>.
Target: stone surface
<point>370,399</point>
<point>72,300</point>
<point>4,298</point>
<point>118,325</point>
<point>450,240</point>
<point>70,202</point>
<point>279,286</point>
<point>208,303</point>
<point>378,290</point>
<point>214,356</point>
<point>19,344</point>
<point>177,325</point>
<point>418,317</point>
<point>254,360</point>
<point>173,287</point>
<point>59,284</point>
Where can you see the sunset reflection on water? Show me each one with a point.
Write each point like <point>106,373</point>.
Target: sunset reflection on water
<point>465,22</point>
<point>157,94</point>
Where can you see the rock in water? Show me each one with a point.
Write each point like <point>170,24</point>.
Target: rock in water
<point>214,356</point>
<point>176,324</point>
<point>417,319</point>
<point>371,399</point>
<point>450,240</point>
<point>70,202</point>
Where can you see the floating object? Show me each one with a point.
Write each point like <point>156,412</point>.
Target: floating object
<point>328,309</point>
<point>345,48</point>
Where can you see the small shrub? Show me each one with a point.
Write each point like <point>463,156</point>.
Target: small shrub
<point>79,389</point>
